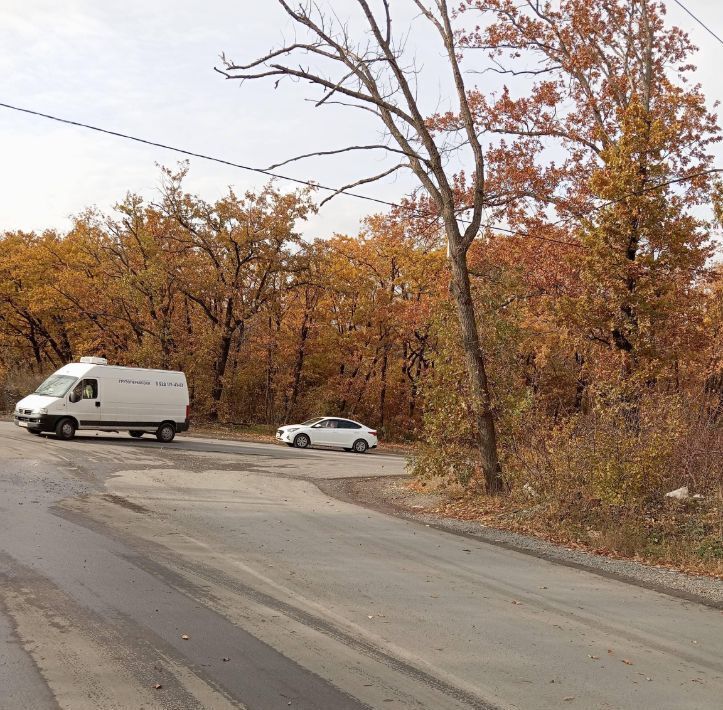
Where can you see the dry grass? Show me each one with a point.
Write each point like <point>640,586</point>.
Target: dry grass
<point>682,535</point>
<point>597,480</point>
<point>16,384</point>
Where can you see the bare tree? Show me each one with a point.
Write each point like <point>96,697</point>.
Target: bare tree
<point>373,75</point>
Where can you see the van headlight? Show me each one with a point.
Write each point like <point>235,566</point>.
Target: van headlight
<point>41,410</point>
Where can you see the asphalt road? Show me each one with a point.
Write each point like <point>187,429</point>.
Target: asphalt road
<point>113,550</point>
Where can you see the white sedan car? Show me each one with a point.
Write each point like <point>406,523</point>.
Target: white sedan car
<point>329,431</point>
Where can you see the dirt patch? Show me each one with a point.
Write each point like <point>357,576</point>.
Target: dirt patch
<point>125,503</point>
<point>388,493</point>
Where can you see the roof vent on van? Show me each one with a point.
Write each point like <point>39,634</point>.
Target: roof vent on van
<point>94,360</point>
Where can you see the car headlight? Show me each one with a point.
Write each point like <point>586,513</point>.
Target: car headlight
<point>41,410</point>
<point>295,428</point>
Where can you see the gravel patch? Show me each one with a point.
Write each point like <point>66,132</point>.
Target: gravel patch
<point>389,495</point>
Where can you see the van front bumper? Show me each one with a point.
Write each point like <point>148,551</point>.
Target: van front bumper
<point>37,422</point>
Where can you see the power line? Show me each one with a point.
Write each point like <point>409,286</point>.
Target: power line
<point>341,191</point>
<point>698,20</point>
<point>183,151</point>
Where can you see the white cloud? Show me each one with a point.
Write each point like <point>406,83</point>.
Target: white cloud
<point>146,68</point>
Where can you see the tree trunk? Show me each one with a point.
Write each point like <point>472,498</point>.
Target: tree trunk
<point>220,365</point>
<point>270,389</point>
<point>487,436</point>
<point>65,346</point>
<point>298,367</point>
<point>383,392</point>
<point>218,372</point>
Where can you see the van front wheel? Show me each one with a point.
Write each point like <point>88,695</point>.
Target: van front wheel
<point>65,429</point>
<point>166,433</point>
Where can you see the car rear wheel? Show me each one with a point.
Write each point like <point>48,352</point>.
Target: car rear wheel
<point>360,446</point>
<point>301,441</point>
<point>166,433</point>
<point>65,429</point>
<point>136,434</point>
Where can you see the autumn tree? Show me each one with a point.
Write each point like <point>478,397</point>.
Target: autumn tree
<point>228,256</point>
<point>374,74</point>
<point>30,311</point>
<point>606,86</point>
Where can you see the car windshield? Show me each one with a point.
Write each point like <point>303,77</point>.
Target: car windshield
<point>312,421</point>
<point>56,385</point>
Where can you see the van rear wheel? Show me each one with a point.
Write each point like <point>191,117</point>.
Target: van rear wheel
<point>136,434</point>
<point>65,429</point>
<point>166,433</point>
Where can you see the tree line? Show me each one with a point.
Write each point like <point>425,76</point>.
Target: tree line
<point>546,307</point>
<point>269,328</point>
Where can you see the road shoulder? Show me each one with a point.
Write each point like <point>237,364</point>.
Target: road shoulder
<point>389,495</point>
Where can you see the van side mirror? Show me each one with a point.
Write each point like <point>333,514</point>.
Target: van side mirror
<point>73,398</point>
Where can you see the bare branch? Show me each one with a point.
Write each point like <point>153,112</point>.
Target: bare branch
<point>347,149</point>
<point>363,181</point>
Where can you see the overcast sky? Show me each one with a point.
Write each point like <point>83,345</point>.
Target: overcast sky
<point>145,68</point>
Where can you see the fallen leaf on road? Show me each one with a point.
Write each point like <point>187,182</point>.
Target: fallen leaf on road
<point>514,601</point>
<point>370,617</point>
<point>185,637</point>
<point>157,686</point>
<point>225,660</point>
<point>627,662</point>
<point>569,698</point>
<point>594,658</point>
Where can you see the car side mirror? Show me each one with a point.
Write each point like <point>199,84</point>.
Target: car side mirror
<point>73,398</point>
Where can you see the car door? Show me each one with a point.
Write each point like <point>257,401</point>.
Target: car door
<point>337,434</point>
<point>84,402</point>
<point>350,432</point>
<point>323,433</point>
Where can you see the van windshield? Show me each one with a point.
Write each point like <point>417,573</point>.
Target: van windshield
<point>56,385</point>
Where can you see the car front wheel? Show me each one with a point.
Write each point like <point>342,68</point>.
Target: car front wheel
<point>360,446</point>
<point>301,441</point>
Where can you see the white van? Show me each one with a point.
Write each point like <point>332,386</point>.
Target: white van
<point>91,394</point>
